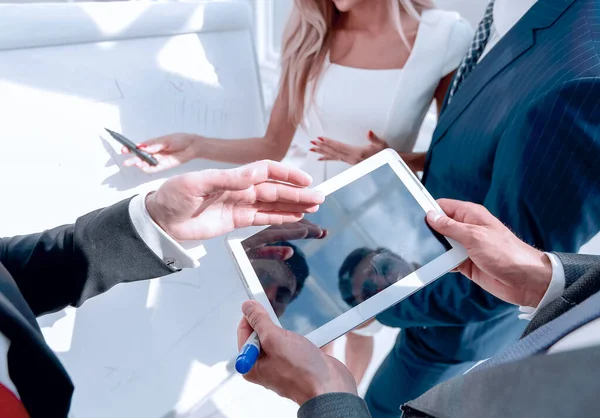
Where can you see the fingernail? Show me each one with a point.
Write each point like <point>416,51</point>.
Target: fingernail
<point>321,159</point>
<point>313,142</point>
<point>313,150</point>
<point>371,134</point>
<point>433,216</point>
<point>247,307</point>
<point>321,139</point>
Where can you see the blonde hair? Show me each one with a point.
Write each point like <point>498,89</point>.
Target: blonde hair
<point>306,43</point>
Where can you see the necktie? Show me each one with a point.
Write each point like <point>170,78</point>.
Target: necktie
<point>10,405</point>
<point>477,47</point>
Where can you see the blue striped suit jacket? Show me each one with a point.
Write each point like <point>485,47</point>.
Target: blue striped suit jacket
<point>522,137</point>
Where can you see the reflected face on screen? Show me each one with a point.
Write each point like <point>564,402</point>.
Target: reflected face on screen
<point>365,272</point>
<point>282,281</point>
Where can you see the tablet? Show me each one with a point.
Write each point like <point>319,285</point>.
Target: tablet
<point>367,248</point>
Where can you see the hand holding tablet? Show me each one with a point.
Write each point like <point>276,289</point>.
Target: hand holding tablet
<point>377,251</point>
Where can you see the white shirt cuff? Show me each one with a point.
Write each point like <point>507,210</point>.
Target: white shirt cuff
<point>555,289</point>
<point>161,243</point>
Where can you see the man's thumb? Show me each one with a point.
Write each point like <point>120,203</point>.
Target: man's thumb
<point>446,226</point>
<point>257,317</point>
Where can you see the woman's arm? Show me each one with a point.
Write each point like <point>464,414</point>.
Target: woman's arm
<point>442,89</point>
<point>273,146</point>
<point>416,160</point>
<point>176,149</point>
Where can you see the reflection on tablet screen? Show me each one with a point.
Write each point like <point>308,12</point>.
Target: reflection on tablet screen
<point>364,238</point>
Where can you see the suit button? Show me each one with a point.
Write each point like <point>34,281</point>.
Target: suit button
<point>171,262</point>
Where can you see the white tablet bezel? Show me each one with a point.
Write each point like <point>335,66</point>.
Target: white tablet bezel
<point>383,300</point>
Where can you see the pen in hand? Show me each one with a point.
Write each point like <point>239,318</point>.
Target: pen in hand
<point>248,354</point>
<point>133,147</point>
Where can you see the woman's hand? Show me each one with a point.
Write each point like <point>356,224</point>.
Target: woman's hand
<point>332,150</point>
<point>414,160</point>
<point>170,151</point>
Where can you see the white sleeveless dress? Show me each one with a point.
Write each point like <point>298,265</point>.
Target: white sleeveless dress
<point>349,102</point>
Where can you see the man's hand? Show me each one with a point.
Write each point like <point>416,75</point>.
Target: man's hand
<point>210,203</point>
<point>289,364</point>
<point>498,261</point>
<point>258,246</point>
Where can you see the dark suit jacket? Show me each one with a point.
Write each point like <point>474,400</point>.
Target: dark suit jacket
<point>522,137</point>
<point>512,389</point>
<point>46,272</point>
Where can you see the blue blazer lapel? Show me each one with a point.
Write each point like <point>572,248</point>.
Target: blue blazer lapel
<point>516,42</point>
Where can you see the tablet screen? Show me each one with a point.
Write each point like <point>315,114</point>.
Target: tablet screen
<point>365,237</point>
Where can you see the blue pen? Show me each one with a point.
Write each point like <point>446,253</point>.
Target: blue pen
<point>248,355</point>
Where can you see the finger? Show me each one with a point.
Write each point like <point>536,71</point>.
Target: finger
<point>312,230</point>
<point>258,244</point>
<point>466,212</point>
<point>313,227</point>
<point>286,208</point>
<point>283,193</point>
<point>333,145</point>
<point>278,233</point>
<point>340,151</point>
<point>278,253</point>
<point>270,235</point>
<point>333,153</point>
<point>328,155</point>
<point>125,150</point>
<point>243,332</point>
<point>466,269</point>
<point>144,166</point>
<point>450,228</point>
<point>375,139</point>
<point>238,179</point>
<point>263,171</point>
<point>153,148</point>
<point>155,145</point>
<point>289,232</point>
<point>258,319</point>
<point>274,218</point>
<point>130,162</point>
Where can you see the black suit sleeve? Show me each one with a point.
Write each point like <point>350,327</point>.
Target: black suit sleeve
<point>335,405</point>
<point>576,265</point>
<point>582,277</point>
<point>72,263</point>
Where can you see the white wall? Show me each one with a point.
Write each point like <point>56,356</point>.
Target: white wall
<point>471,10</point>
